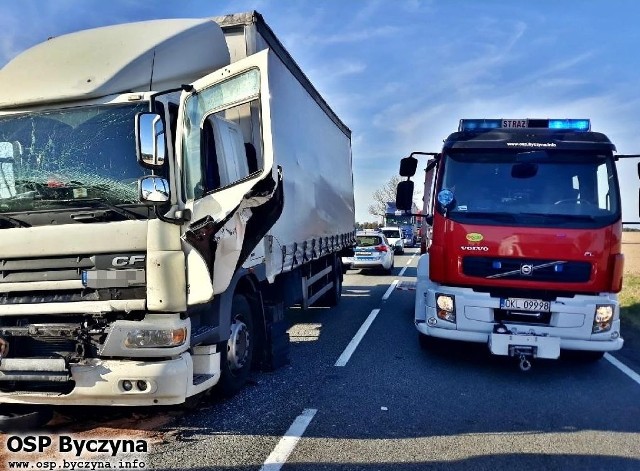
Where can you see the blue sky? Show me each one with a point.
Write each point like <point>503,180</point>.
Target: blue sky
<point>402,73</point>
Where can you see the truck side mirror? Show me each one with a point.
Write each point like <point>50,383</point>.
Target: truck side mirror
<point>404,195</point>
<point>153,190</point>
<point>408,166</point>
<point>150,140</point>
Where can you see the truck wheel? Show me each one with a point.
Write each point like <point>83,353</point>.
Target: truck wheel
<point>235,366</point>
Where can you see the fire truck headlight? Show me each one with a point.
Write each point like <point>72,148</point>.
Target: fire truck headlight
<point>445,307</point>
<point>602,320</point>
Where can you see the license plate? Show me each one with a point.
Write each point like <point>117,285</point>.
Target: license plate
<point>525,304</point>
<point>363,254</point>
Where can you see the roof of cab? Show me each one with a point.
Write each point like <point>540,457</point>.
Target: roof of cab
<point>131,57</point>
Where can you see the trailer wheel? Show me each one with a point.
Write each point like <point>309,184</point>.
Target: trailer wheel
<point>236,362</point>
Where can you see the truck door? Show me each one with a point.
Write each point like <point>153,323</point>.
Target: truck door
<point>228,178</point>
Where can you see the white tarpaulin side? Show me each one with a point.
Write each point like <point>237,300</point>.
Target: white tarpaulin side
<point>315,156</point>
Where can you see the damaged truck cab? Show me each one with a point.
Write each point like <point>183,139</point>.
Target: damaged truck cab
<point>164,195</point>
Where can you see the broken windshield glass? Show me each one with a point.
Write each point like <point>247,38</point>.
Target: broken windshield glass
<point>49,158</point>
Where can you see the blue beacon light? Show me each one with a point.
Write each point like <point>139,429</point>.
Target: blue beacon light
<point>570,124</point>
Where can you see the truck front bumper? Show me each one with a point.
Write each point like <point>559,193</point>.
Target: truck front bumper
<point>102,383</point>
<point>483,337</point>
<point>570,320</point>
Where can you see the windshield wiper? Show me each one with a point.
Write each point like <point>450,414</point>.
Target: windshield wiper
<point>13,221</point>
<point>126,213</point>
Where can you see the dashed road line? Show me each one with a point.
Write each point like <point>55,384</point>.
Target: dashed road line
<point>390,290</point>
<point>288,442</point>
<point>346,355</point>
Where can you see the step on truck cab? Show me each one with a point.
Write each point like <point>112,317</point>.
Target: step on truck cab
<point>525,248</point>
<point>164,195</point>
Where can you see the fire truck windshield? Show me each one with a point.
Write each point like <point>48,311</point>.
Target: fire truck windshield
<point>575,189</point>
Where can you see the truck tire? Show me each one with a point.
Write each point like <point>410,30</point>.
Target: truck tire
<point>237,352</point>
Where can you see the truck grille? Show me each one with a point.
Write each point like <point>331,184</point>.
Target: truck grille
<point>44,269</point>
<point>557,271</point>
<point>60,279</point>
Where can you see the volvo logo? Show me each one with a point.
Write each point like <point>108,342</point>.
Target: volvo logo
<point>526,269</point>
<point>475,248</point>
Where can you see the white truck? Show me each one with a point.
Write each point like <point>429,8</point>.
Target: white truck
<point>167,188</point>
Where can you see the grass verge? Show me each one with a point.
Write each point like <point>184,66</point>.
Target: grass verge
<point>630,301</point>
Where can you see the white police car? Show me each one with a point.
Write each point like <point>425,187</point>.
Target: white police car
<point>372,251</point>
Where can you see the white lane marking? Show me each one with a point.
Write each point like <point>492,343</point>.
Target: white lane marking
<point>405,268</point>
<point>622,367</point>
<point>288,442</point>
<point>390,290</point>
<point>344,358</point>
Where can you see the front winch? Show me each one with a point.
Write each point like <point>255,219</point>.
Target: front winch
<point>524,354</point>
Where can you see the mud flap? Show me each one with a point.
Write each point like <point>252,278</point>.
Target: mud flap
<point>277,344</point>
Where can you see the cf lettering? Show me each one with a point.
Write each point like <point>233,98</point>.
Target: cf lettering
<point>120,261</point>
<point>123,261</point>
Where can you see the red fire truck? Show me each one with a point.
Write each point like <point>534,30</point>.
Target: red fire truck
<point>525,251</point>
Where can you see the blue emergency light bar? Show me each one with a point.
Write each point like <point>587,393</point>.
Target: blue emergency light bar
<point>555,124</point>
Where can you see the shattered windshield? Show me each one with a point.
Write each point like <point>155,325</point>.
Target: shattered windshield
<point>56,159</point>
<point>572,187</point>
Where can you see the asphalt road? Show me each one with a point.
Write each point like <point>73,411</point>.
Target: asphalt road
<point>394,406</point>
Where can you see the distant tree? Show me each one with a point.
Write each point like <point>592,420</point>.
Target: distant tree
<point>382,196</point>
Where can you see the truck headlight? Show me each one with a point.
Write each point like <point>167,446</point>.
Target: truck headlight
<point>602,319</point>
<point>147,338</point>
<point>445,307</point>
